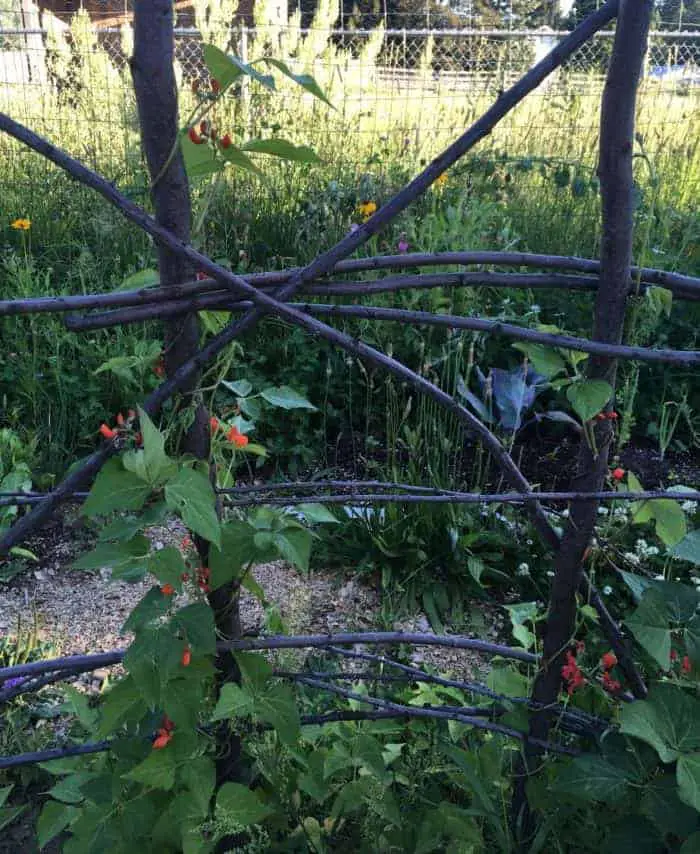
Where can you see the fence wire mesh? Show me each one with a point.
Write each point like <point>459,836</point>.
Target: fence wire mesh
<point>405,90</point>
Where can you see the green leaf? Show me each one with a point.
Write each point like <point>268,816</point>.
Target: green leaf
<point>669,720</point>
<point>78,704</point>
<point>191,495</point>
<point>281,148</point>
<point>688,777</point>
<point>236,157</point>
<point>68,790</point>
<point>691,844</point>
<point>255,669</point>
<point>151,463</point>
<point>152,606</point>
<point>669,519</point>
<point>588,397</point>
<point>115,489</point>
<point>591,778</point>
<point>122,701</point>
<point>142,279</point>
<point>317,514</point>
<point>505,679</point>
<point>227,68</point>
<point>691,636</point>
<point>182,699</point>
<point>233,702</point>
<point>199,775</point>
<point>662,298</point>
<point>237,803</point>
<point>649,625</point>
<point>306,81</point>
<point>237,547</point>
<point>197,623</point>
<point>277,706</point>
<point>637,584</point>
<point>54,819</point>
<point>9,814</point>
<point>125,559</point>
<point>168,566</point>
<point>241,388</point>
<point>688,548</point>
<point>121,366</point>
<point>546,361</point>
<point>286,398</point>
<point>294,544</point>
<point>157,771</point>
<point>660,803</point>
<point>200,160</point>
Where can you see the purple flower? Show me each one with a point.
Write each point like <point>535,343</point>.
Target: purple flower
<point>402,245</point>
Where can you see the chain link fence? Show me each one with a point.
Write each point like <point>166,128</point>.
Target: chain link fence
<point>416,88</point>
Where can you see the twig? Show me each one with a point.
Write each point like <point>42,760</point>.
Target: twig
<point>434,713</point>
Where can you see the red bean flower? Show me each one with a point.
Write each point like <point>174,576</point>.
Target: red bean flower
<point>162,739</point>
<point>686,665</point>
<point>195,137</point>
<point>237,438</point>
<point>226,141</point>
<point>214,423</point>
<point>618,473</point>
<point>107,431</point>
<point>609,660</point>
<point>167,590</point>
<point>186,657</point>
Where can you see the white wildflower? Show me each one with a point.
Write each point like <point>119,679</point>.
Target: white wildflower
<point>523,569</point>
<point>603,511</point>
<point>550,573</point>
<point>607,590</point>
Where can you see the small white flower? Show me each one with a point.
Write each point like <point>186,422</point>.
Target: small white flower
<point>534,308</point>
<point>565,513</point>
<point>689,507</point>
<point>652,550</point>
<point>603,511</point>
<point>607,590</point>
<point>696,580</point>
<point>529,542</point>
<point>660,577</point>
<point>631,557</point>
<point>523,569</point>
<point>550,573</point>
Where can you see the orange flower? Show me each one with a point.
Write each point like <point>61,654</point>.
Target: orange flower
<point>214,423</point>
<point>618,473</point>
<point>167,590</point>
<point>237,438</point>
<point>107,432</point>
<point>186,657</point>
<point>162,739</point>
<point>609,660</point>
<point>186,542</point>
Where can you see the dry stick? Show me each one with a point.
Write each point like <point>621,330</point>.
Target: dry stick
<point>162,307</point>
<point>440,714</point>
<point>321,265</point>
<point>414,495</point>
<point>395,315</point>
<point>682,286</point>
<point>616,183</point>
<point>84,663</point>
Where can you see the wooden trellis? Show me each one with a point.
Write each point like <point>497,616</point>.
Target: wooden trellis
<point>281,293</point>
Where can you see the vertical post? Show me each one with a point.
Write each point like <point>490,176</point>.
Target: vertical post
<point>245,80</point>
<point>617,123</point>
<point>33,43</point>
<point>155,86</point>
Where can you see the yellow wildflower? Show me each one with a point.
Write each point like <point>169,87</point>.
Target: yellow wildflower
<point>366,210</point>
<point>440,181</point>
<point>22,224</point>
